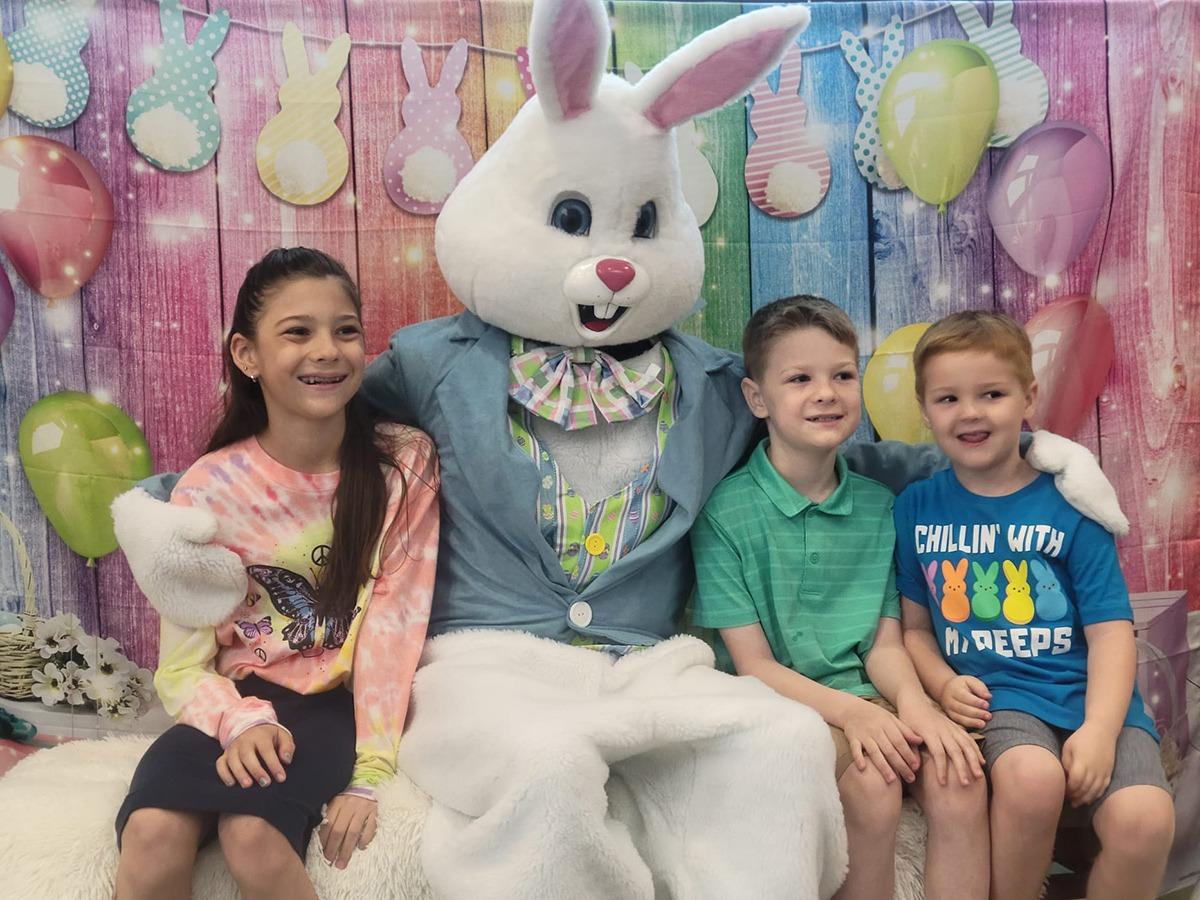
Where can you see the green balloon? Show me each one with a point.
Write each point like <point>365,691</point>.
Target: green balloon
<point>935,117</point>
<point>79,453</point>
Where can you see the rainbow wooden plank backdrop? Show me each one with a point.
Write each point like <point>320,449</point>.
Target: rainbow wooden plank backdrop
<point>145,330</point>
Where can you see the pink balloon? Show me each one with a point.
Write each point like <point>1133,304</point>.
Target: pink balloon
<point>56,215</point>
<point>7,305</point>
<point>1072,352</point>
<point>1046,196</point>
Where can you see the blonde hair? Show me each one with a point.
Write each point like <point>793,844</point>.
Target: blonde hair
<point>976,329</point>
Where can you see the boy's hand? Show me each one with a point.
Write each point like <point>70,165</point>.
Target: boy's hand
<point>946,742</point>
<point>1087,757</point>
<point>965,699</point>
<point>253,754</point>
<point>874,732</point>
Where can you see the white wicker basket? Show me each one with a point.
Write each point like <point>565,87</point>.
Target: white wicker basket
<point>18,658</point>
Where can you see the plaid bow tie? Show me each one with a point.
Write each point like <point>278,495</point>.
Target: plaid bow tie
<point>571,385</point>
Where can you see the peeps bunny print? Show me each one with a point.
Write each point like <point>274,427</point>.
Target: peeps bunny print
<point>1024,94</point>
<point>874,166</point>
<point>429,156</point>
<point>50,83</point>
<point>302,157</point>
<point>787,171</point>
<point>1010,584</point>
<point>171,118</point>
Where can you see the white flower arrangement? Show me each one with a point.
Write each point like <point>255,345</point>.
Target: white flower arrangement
<point>87,671</point>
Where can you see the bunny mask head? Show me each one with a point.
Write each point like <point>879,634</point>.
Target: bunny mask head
<point>573,227</point>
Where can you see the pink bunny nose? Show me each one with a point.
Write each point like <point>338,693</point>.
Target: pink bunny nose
<point>615,273</point>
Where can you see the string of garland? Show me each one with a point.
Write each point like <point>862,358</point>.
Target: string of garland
<point>866,34</point>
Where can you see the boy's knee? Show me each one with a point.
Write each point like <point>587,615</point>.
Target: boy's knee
<point>868,801</point>
<point>1136,823</point>
<point>953,804</point>
<point>1029,782</point>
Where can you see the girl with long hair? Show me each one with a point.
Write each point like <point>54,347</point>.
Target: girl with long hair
<point>335,518</point>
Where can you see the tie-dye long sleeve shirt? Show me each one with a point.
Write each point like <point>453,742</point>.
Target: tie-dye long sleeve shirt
<point>279,522</point>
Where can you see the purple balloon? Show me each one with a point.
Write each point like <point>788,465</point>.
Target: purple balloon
<point>7,305</point>
<point>1046,196</point>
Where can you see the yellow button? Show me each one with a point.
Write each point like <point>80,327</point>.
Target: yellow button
<point>595,544</point>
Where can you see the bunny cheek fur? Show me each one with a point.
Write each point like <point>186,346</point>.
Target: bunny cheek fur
<point>513,269</point>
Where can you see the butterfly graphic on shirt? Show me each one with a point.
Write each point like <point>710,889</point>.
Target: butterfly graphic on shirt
<point>255,629</point>
<point>295,598</point>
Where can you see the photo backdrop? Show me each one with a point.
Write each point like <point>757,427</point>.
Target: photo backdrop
<point>203,182</point>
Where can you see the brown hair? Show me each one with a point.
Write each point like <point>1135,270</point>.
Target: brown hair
<point>976,329</point>
<point>773,321</point>
<point>360,501</point>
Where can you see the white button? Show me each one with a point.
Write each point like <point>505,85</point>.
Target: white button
<point>581,614</point>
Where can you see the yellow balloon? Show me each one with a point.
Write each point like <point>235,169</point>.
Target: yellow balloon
<point>6,76</point>
<point>889,387</point>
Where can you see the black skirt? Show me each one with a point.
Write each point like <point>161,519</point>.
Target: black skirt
<point>179,770</point>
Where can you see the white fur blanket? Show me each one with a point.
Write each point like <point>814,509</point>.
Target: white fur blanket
<point>57,838</point>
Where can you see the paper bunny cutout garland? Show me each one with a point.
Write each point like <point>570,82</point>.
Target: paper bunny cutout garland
<point>1024,94</point>
<point>50,83</point>
<point>429,156</point>
<point>874,166</point>
<point>787,172</point>
<point>170,117</point>
<point>302,156</point>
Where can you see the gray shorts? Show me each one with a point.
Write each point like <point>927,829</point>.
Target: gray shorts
<point>1138,760</point>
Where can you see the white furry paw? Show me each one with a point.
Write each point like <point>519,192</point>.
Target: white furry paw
<point>188,580</point>
<point>1078,478</point>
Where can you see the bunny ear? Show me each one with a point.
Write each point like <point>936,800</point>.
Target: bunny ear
<point>1002,12</point>
<point>568,48</point>
<point>454,65</point>
<point>993,570</point>
<point>970,19</point>
<point>212,32</point>
<point>335,59</point>
<point>294,56</point>
<point>893,37</point>
<point>170,19</point>
<point>947,570</point>
<point>413,64</point>
<point>718,65</point>
<point>1023,569</point>
<point>789,72</point>
<point>978,570</point>
<point>1040,569</point>
<point>931,570</point>
<point>1010,571</point>
<point>960,569</point>
<point>855,55</point>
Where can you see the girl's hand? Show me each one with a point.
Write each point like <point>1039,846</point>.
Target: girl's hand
<point>947,743</point>
<point>1087,757</point>
<point>965,700</point>
<point>874,732</point>
<point>350,823</point>
<point>255,752</point>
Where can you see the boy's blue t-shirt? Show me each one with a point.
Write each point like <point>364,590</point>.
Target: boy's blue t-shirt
<point>1010,583</point>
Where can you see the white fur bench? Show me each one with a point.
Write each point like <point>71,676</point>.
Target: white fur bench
<point>57,838</point>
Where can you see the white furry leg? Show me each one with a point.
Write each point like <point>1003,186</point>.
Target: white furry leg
<point>518,787</point>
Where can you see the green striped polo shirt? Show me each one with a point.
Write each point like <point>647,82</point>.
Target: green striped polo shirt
<point>816,576</point>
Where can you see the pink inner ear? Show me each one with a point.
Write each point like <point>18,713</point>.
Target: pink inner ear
<point>573,53</point>
<point>717,80</point>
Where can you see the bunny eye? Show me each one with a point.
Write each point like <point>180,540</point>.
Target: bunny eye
<point>572,215</point>
<point>647,221</point>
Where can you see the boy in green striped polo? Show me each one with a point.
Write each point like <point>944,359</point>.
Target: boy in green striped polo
<point>794,569</point>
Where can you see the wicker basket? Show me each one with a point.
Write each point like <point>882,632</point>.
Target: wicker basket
<point>18,659</point>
